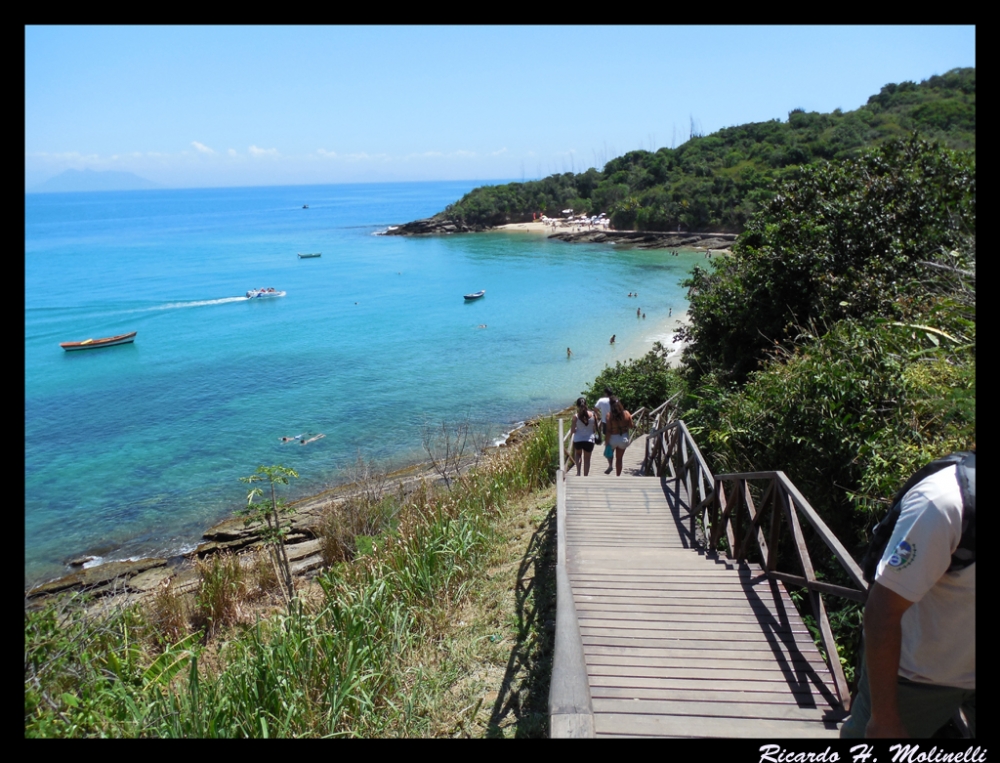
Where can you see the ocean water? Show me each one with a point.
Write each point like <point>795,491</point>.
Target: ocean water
<point>135,450</point>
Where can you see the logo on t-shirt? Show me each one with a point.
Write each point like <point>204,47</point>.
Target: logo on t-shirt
<point>902,555</point>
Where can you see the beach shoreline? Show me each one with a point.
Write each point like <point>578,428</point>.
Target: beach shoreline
<point>133,578</point>
<point>717,243</point>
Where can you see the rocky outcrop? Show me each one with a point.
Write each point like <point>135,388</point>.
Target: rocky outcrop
<point>649,239</point>
<point>430,226</point>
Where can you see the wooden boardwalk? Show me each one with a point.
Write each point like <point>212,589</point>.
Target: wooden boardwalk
<point>662,640</point>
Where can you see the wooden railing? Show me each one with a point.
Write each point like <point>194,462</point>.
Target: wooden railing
<point>732,523</point>
<point>732,517</point>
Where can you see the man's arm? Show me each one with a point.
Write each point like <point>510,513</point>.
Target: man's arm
<point>883,638</point>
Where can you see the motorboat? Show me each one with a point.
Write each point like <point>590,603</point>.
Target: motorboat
<point>475,295</point>
<point>310,256</point>
<point>264,293</point>
<point>90,344</point>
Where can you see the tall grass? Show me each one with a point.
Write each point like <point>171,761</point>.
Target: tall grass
<point>325,667</point>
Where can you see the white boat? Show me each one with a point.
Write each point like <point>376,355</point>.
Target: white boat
<point>264,293</point>
<point>475,295</point>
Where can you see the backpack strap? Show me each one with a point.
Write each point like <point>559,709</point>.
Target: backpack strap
<point>965,554</point>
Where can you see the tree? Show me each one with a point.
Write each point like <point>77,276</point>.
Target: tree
<point>269,513</point>
<point>843,240</point>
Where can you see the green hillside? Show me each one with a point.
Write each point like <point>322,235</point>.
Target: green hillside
<point>716,182</point>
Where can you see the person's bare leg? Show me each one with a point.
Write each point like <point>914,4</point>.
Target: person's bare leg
<point>577,459</point>
<point>619,454</point>
<point>586,464</point>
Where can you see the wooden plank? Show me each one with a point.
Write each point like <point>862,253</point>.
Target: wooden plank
<point>701,684</point>
<point>706,710</point>
<point>710,628</point>
<point>801,698</point>
<point>732,650</point>
<point>684,658</point>
<point>627,724</point>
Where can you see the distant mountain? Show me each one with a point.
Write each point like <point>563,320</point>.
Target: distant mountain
<point>93,180</point>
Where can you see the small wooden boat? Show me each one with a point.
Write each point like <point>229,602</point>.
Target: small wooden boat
<point>475,295</point>
<point>309,256</point>
<point>90,344</point>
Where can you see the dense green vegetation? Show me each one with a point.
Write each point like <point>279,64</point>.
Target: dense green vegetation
<point>330,664</point>
<point>837,343</point>
<point>716,182</point>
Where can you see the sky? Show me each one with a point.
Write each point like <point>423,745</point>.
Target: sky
<point>216,106</point>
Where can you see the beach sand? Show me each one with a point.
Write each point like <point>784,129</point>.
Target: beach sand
<point>538,227</point>
<point>662,333</point>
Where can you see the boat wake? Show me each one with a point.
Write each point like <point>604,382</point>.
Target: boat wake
<point>197,303</point>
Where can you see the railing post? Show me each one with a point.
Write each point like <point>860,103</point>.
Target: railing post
<point>562,459</point>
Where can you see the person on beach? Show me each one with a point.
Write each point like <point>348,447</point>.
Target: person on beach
<point>619,426</point>
<point>584,433</point>
<point>603,408</point>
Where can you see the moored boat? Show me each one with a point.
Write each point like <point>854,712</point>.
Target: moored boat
<point>90,344</point>
<point>262,293</point>
<point>475,295</point>
<point>309,256</point>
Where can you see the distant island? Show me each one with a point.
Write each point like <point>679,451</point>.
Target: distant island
<point>93,180</point>
<point>716,182</point>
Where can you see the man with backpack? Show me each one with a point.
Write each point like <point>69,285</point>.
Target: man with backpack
<point>919,663</point>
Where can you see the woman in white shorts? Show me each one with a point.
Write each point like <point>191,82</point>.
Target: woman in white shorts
<point>619,425</point>
<point>584,432</point>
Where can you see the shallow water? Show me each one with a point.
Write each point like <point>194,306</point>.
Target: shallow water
<point>135,450</point>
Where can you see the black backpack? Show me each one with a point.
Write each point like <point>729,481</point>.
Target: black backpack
<point>965,554</point>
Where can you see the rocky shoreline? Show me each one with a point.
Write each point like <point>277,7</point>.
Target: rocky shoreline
<point>130,580</point>
<point>649,239</point>
<point>637,239</point>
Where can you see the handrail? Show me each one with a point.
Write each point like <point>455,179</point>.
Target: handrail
<point>728,513</point>
<point>571,712</point>
<point>734,518</point>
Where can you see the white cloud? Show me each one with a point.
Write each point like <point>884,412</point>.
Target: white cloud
<point>232,152</point>
<point>462,152</point>
<point>501,151</point>
<point>255,151</point>
<point>202,147</point>
<point>327,154</point>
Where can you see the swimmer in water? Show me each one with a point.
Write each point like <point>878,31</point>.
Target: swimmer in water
<point>293,437</point>
<point>481,326</point>
<point>612,339</point>
<point>312,439</point>
<point>569,352</point>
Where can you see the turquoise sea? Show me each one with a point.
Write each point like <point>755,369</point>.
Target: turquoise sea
<point>135,450</point>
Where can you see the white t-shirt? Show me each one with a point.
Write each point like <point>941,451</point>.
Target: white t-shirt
<point>939,630</point>
<point>604,406</point>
